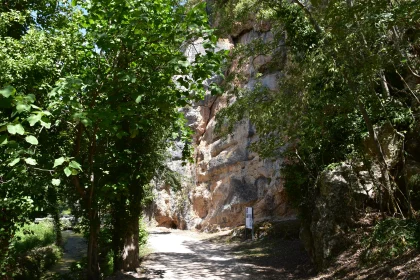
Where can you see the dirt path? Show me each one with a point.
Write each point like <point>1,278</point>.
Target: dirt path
<point>74,249</point>
<point>185,255</point>
<point>190,255</point>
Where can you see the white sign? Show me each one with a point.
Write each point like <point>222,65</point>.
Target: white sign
<point>249,219</point>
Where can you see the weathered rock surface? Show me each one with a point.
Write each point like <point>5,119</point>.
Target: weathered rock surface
<point>226,175</point>
<point>344,191</point>
<point>391,144</point>
<point>335,209</point>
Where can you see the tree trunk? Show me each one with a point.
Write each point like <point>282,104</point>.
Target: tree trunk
<point>93,271</point>
<point>126,242</point>
<point>384,84</point>
<point>118,225</point>
<point>130,253</point>
<point>57,227</point>
<point>126,232</point>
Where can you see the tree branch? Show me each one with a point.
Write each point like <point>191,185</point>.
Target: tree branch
<point>309,15</point>
<point>408,87</point>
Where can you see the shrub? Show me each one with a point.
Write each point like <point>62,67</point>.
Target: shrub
<point>34,235</point>
<point>391,238</point>
<point>33,264</point>
<point>34,250</point>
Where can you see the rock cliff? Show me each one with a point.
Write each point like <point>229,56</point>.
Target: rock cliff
<point>226,176</point>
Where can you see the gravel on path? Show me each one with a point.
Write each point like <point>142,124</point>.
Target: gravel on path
<point>183,255</point>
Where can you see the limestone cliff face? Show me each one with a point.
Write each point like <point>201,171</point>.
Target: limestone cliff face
<point>226,175</point>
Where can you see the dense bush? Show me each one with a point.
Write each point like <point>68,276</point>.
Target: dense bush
<point>33,250</point>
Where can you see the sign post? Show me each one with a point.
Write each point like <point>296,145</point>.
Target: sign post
<point>249,221</point>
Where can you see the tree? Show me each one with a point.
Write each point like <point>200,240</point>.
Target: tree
<point>120,106</point>
<point>107,78</point>
<point>346,72</point>
<point>30,62</point>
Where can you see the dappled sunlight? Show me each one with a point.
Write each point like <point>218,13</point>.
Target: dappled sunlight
<point>127,250</point>
<point>182,255</point>
<point>192,266</point>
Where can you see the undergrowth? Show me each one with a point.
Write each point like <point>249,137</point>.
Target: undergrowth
<point>34,251</point>
<point>34,235</point>
<point>389,239</point>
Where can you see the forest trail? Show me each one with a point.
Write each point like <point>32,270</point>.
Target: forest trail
<point>180,254</point>
<point>74,250</point>
<point>185,255</point>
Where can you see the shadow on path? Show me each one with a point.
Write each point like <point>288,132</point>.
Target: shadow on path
<point>179,256</point>
<point>159,232</point>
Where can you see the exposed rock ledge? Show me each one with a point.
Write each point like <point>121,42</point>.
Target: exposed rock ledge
<point>226,175</point>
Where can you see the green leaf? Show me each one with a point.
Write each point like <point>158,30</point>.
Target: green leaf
<point>215,90</point>
<point>45,122</point>
<point>86,122</point>
<point>14,162</point>
<point>17,128</point>
<point>208,45</point>
<point>33,119</point>
<point>8,91</point>
<point>3,139</point>
<point>47,125</point>
<point>30,161</point>
<point>59,161</point>
<point>67,171</point>
<point>75,165</point>
<point>31,140</point>
<point>56,182</point>
<point>138,99</point>
<point>184,63</point>
<point>30,97</point>
<point>74,3</point>
<point>20,107</point>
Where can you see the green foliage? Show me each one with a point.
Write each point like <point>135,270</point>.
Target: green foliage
<point>300,189</point>
<point>77,271</point>
<point>143,234</point>
<point>89,93</point>
<point>414,181</point>
<point>32,56</point>
<point>108,266</point>
<point>35,263</point>
<point>33,250</point>
<point>345,67</point>
<point>414,190</point>
<point>34,235</point>
<point>390,238</point>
